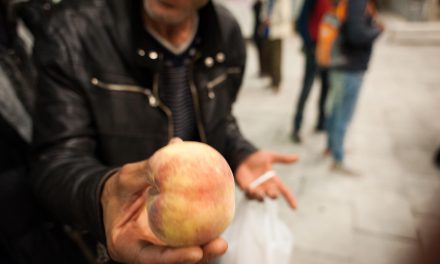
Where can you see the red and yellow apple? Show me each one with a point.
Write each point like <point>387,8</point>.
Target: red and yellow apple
<point>191,198</point>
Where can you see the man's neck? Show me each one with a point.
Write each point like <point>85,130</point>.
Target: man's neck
<point>174,34</point>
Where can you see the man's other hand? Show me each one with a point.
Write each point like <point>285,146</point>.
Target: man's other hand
<point>258,164</point>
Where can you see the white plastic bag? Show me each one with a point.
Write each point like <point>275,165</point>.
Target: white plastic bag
<point>257,235</point>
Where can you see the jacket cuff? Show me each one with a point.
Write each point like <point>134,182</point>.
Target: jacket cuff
<point>101,229</point>
<point>241,154</point>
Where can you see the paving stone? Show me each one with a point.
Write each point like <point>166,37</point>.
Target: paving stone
<point>384,213</point>
<point>335,186</point>
<point>300,256</point>
<point>323,226</point>
<point>376,166</point>
<point>379,250</point>
<point>417,162</point>
<point>369,141</point>
<point>424,195</point>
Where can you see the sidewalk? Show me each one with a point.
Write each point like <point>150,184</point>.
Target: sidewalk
<point>409,32</point>
<point>382,216</point>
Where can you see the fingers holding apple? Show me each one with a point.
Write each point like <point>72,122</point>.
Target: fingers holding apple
<point>183,196</point>
<point>213,249</point>
<point>151,254</point>
<point>125,219</point>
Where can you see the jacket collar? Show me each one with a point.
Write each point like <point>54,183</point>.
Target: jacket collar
<point>135,44</point>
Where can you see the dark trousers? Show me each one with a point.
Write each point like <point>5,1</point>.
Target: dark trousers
<point>437,158</point>
<point>311,69</point>
<point>270,61</point>
<point>256,36</point>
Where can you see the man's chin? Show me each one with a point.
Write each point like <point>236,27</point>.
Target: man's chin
<point>170,20</point>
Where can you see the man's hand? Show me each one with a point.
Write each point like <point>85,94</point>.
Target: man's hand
<point>256,165</point>
<point>129,237</point>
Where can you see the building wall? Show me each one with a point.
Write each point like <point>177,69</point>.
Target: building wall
<point>414,10</point>
<point>243,12</point>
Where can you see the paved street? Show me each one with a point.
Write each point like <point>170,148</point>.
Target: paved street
<point>384,215</point>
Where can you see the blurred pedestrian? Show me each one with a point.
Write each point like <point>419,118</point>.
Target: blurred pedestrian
<point>437,158</point>
<point>359,31</point>
<point>275,26</point>
<point>307,26</point>
<point>256,37</point>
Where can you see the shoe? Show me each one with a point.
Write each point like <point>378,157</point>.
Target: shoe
<point>320,128</point>
<point>340,168</point>
<point>276,88</point>
<point>262,74</point>
<point>295,137</point>
<point>437,159</point>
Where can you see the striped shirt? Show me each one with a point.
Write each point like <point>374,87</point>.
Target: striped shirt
<point>174,85</point>
<point>175,92</point>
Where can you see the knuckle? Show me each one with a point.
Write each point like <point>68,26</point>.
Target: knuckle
<point>125,169</point>
<point>125,176</point>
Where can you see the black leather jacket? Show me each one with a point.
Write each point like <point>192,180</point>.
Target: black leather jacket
<point>98,106</point>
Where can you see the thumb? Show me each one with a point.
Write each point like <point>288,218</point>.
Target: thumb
<point>175,140</point>
<point>158,254</point>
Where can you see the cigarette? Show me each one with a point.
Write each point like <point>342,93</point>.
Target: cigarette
<point>262,179</point>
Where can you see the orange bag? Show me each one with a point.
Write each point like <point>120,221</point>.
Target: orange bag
<point>328,47</point>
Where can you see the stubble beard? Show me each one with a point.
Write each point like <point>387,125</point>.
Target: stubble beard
<point>172,20</point>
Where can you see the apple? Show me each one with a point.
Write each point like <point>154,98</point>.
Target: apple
<point>191,199</point>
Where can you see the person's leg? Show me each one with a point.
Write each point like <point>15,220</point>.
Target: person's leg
<point>256,8</point>
<point>309,76</point>
<point>437,158</point>
<point>321,107</point>
<point>333,110</point>
<point>343,112</point>
<point>328,129</point>
<point>275,65</point>
<point>354,83</point>
<point>259,44</point>
<point>264,57</point>
<point>256,34</point>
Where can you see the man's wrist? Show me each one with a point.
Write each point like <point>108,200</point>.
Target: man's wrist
<point>103,194</point>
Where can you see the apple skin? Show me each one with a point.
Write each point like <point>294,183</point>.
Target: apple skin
<point>191,199</point>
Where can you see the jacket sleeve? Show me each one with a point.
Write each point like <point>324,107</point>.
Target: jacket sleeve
<point>237,147</point>
<point>359,31</point>
<point>67,177</point>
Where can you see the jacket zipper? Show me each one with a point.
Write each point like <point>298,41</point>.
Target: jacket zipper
<point>195,96</point>
<point>219,79</point>
<point>152,96</point>
<point>162,106</point>
<point>210,85</point>
<point>126,88</point>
